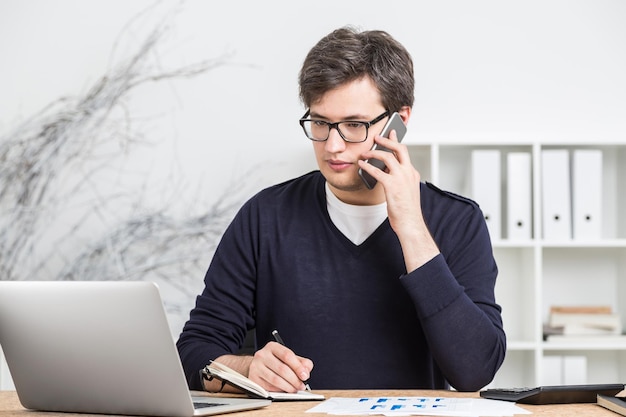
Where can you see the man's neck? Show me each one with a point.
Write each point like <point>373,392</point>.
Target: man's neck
<point>363,197</point>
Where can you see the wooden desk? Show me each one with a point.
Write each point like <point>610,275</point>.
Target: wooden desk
<point>11,407</point>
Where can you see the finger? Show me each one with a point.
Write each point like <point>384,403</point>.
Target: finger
<point>307,364</point>
<point>386,157</point>
<point>263,375</point>
<point>399,150</point>
<point>375,172</point>
<point>393,136</point>
<point>279,382</point>
<point>294,364</point>
<point>278,367</point>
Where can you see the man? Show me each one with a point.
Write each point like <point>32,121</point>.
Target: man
<point>391,287</point>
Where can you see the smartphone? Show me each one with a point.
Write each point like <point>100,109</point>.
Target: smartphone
<point>394,123</point>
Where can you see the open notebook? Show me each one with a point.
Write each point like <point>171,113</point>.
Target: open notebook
<point>235,379</point>
<point>98,347</point>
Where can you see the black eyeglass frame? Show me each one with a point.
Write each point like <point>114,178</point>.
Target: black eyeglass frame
<point>335,125</point>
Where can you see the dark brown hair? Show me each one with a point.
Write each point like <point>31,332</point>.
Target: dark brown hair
<point>346,55</point>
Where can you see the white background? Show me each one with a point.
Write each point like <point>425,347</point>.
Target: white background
<point>550,68</point>
<point>546,68</point>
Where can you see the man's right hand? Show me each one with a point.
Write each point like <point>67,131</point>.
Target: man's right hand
<point>275,368</point>
<point>278,368</point>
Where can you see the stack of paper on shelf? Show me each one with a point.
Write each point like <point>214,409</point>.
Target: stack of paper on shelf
<point>583,321</point>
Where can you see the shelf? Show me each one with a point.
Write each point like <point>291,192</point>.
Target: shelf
<point>512,244</point>
<point>580,344</point>
<point>565,244</point>
<point>537,273</point>
<point>602,243</point>
<point>520,345</point>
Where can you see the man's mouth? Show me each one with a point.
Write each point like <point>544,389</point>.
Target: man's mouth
<point>337,165</point>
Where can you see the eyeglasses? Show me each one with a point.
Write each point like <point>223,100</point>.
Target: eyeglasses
<point>352,131</point>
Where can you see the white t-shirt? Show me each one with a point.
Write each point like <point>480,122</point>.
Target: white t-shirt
<point>357,223</point>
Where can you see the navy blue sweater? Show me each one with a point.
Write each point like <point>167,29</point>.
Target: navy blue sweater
<point>353,310</point>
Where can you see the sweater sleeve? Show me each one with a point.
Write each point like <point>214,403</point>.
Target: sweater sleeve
<point>454,297</point>
<point>224,311</point>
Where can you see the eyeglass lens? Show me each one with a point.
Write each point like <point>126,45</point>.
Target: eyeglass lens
<point>350,131</point>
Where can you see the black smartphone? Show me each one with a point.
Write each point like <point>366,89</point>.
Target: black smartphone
<point>394,123</point>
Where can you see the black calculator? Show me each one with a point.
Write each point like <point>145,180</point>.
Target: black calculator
<point>553,394</point>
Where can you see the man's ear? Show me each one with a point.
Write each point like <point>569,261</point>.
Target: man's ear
<point>405,113</point>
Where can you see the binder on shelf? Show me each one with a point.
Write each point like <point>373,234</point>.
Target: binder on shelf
<point>519,196</point>
<point>574,370</point>
<point>564,370</point>
<point>587,193</point>
<point>555,183</point>
<point>486,187</point>
<point>552,370</point>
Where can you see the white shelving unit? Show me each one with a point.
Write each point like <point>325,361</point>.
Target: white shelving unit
<point>536,274</point>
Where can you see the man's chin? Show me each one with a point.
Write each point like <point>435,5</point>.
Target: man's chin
<point>346,181</point>
<point>347,186</point>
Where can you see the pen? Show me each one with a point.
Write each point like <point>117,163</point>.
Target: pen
<point>279,339</point>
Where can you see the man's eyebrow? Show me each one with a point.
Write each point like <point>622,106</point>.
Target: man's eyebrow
<point>314,115</point>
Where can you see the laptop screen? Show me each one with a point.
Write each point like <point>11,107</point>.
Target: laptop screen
<point>95,347</point>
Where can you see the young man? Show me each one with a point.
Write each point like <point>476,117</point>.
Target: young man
<point>385,288</point>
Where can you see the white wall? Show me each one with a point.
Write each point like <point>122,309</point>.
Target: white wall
<point>553,68</point>
<point>550,67</point>
<point>533,67</point>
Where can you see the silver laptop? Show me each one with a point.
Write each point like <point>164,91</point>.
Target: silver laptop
<point>97,347</point>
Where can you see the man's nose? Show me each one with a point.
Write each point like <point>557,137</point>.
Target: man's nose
<point>335,142</point>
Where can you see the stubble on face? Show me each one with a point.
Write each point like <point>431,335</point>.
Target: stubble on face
<point>346,184</point>
<point>337,160</point>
